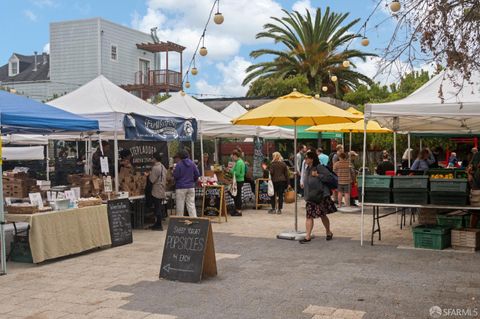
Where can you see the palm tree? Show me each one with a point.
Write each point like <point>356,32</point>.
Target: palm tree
<point>314,49</point>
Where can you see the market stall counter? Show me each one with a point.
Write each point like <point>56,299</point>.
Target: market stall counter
<point>66,232</point>
<point>400,207</point>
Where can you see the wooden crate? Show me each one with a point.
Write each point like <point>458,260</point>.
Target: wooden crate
<point>22,209</point>
<point>466,239</point>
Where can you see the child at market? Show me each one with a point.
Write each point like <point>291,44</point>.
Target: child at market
<point>343,168</point>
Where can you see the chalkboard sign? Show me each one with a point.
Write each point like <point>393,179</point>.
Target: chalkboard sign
<point>189,253</point>
<point>119,220</point>
<point>261,193</point>
<point>142,153</point>
<point>258,157</point>
<point>213,203</point>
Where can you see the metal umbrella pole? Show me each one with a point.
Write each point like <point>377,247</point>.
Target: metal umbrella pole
<point>350,144</point>
<point>294,235</point>
<point>408,148</point>
<point>201,154</point>
<point>395,151</point>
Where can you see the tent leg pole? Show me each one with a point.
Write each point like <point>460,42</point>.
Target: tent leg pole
<point>3,256</point>
<point>408,148</point>
<point>201,155</point>
<point>47,161</point>
<point>115,158</point>
<point>363,180</point>
<point>215,158</point>
<point>395,151</point>
<point>421,146</point>
<point>193,151</point>
<point>78,152</point>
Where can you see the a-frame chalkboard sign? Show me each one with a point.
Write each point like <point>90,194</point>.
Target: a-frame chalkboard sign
<point>261,193</point>
<point>189,252</point>
<point>213,202</point>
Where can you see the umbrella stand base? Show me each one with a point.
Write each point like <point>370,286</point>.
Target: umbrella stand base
<point>292,235</point>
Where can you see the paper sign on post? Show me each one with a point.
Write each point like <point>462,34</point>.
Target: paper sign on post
<point>36,199</point>
<point>104,165</point>
<point>107,184</point>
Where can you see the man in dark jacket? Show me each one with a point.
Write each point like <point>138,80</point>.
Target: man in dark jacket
<point>186,175</point>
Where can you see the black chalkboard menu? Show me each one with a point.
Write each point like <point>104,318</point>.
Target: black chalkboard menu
<point>189,253</point>
<point>258,157</point>
<point>213,202</point>
<point>261,193</point>
<point>119,220</point>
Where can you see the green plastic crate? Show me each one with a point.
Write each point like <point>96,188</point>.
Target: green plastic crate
<point>417,182</point>
<point>376,181</point>
<point>460,174</point>
<point>410,196</point>
<point>454,221</point>
<point>376,195</point>
<point>459,185</point>
<point>448,198</point>
<point>432,237</point>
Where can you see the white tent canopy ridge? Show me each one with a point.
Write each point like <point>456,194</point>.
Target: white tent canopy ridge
<point>457,110</point>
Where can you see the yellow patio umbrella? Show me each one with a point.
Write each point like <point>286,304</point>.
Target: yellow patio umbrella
<point>353,110</point>
<point>358,127</point>
<point>295,109</point>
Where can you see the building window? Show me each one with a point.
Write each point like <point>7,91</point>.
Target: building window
<point>114,53</point>
<point>13,68</point>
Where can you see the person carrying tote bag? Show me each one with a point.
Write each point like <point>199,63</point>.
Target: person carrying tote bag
<point>317,185</point>
<point>279,178</point>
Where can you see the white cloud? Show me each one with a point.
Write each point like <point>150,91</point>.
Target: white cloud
<point>232,75</point>
<point>303,5</point>
<point>186,20</point>
<point>30,15</point>
<point>46,48</point>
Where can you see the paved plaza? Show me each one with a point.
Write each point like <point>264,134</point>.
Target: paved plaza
<point>258,277</point>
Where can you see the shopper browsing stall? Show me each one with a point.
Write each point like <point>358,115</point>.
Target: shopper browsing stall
<point>186,175</point>
<point>279,175</point>
<point>238,171</point>
<point>158,178</point>
<point>344,170</point>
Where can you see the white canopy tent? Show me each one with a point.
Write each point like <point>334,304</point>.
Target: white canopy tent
<point>234,110</point>
<point>456,110</point>
<point>215,124</point>
<point>102,100</point>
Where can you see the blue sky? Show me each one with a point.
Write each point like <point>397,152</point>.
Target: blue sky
<point>25,28</point>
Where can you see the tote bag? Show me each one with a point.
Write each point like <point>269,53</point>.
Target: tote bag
<point>270,190</point>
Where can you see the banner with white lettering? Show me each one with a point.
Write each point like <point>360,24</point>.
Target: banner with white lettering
<point>139,127</point>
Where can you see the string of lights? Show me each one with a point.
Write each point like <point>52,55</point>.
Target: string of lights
<point>218,19</point>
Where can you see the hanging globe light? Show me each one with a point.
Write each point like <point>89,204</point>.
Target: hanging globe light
<point>334,78</point>
<point>365,42</point>
<point>218,18</point>
<point>182,93</point>
<point>395,6</point>
<point>346,64</point>
<point>324,88</point>
<point>203,51</point>
<point>194,71</point>
<point>187,84</point>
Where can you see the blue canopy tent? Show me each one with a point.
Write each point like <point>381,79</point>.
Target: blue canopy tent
<point>19,114</point>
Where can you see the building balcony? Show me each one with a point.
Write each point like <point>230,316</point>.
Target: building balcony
<point>153,82</point>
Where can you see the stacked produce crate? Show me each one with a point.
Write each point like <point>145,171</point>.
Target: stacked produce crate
<point>448,191</point>
<point>377,188</point>
<point>432,237</point>
<point>410,190</point>
<point>17,184</point>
